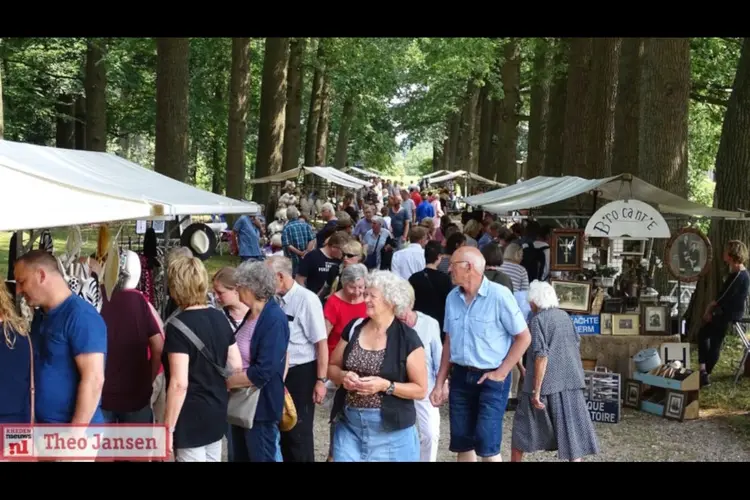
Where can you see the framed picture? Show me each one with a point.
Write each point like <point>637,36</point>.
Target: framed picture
<point>674,406</point>
<point>605,323</point>
<point>633,246</point>
<point>566,247</point>
<point>625,324</point>
<point>656,320</point>
<point>688,254</point>
<point>632,397</point>
<point>574,296</point>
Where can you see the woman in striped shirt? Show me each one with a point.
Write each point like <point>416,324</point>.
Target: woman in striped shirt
<point>513,268</point>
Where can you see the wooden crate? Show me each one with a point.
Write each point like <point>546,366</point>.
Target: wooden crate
<point>656,394</point>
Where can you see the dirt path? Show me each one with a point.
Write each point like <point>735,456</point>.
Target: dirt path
<point>638,437</point>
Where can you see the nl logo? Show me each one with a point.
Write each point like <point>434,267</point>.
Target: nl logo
<point>80,442</point>
<point>18,442</point>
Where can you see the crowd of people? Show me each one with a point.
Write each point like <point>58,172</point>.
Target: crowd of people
<point>384,315</point>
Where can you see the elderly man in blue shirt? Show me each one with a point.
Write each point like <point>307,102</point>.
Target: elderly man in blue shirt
<point>485,337</point>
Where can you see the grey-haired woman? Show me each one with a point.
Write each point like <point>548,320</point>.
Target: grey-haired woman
<point>380,365</point>
<point>262,338</point>
<point>552,413</point>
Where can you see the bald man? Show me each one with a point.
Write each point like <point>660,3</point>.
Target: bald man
<point>485,336</point>
<point>70,339</point>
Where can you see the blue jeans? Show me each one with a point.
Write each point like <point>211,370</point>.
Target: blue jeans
<point>360,437</point>
<point>143,416</point>
<point>476,412</point>
<point>262,443</point>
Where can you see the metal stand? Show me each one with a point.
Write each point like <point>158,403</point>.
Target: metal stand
<point>741,328</point>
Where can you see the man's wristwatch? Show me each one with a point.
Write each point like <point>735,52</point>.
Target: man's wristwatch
<point>322,379</point>
<point>390,389</point>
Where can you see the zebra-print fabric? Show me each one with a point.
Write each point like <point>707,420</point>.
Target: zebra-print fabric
<point>45,242</point>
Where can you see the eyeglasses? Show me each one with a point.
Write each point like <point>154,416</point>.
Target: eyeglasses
<point>350,255</point>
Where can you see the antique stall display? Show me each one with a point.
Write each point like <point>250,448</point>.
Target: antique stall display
<point>574,296</point>
<point>655,320</point>
<point>676,351</point>
<point>626,324</point>
<point>602,395</point>
<point>668,390</point>
<point>688,255</point>
<point>566,249</point>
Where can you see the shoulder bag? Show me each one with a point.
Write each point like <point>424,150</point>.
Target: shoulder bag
<point>243,402</point>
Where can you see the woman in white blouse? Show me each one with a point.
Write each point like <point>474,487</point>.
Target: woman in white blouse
<point>428,416</point>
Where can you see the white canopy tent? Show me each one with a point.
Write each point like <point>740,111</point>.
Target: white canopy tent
<point>464,175</point>
<point>48,187</point>
<point>361,171</point>
<point>328,173</point>
<point>540,191</point>
<point>433,174</point>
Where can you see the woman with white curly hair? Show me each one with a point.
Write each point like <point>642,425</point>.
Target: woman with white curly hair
<point>380,365</point>
<point>552,413</point>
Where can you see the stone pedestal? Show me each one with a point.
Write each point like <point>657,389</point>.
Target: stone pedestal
<point>616,352</point>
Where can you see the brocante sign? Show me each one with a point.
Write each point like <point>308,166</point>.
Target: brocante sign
<point>629,219</point>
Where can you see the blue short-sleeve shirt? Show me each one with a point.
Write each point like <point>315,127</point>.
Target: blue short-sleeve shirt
<point>482,331</point>
<point>72,328</point>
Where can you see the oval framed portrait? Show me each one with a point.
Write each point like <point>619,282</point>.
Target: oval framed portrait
<point>688,254</point>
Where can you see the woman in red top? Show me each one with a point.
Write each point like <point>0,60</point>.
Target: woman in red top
<point>345,305</point>
<point>342,308</point>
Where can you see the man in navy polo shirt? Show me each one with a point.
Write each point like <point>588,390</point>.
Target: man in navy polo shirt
<point>70,340</point>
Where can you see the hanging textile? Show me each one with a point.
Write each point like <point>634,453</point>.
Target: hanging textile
<point>46,243</point>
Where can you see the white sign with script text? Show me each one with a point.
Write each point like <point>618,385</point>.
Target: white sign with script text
<point>629,219</point>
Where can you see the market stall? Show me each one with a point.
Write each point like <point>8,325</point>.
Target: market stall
<point>603,267</point>
<point>48,188</point>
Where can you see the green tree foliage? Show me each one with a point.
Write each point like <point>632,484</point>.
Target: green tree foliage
<point>403,89</point>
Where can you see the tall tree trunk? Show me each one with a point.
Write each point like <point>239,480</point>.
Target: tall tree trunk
<point>321,153</point>
<point>605,62</point>
<point>239,103</point>
<point>468,128</point>
<point>732,189</point>
<point>578,108</point>
<point>558,97</point>
<point>217,177</point>
<point>539,108</point>
<point>272,113</point>
<point>316,104</point>
<point>65,128</point>
<point>295,84</point>
<point>665,98</point>
<point>172,107</point>
<point>96,100</point>
<point>437,156</point>
<point>454,136</point>
<point>342,144</point>
<point>626,149</point>
<point>485,132</point>
<point>446,153</point>
<point>80,122</point>
<point>506,167</point>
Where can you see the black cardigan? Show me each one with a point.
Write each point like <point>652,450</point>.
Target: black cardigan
<point>397,413</point>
